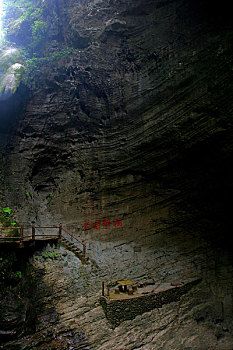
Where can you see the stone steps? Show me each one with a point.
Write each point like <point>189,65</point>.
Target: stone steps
<point>72,247</point>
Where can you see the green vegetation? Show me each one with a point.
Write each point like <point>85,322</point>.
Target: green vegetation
<point>8,57</point>
<point>39,29</point>
<point>49,198</point>
<point>6,213</point>
<point>7,210</point>
<point>19,273</point>
<point>6,217</point>
<point>27,28</point>
<point>51,256</point>
<point>34,65</point>
<point>29,195</point>
<point>7,222</point>
<point>11,65</point>
<point>36,62</point>
<point>31,14</point>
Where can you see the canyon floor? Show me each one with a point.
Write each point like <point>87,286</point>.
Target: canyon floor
<point>69,316</point>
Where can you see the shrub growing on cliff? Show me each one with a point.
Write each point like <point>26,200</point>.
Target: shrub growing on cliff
<point>26,16</point>
<point>51,255</point>
<point>39,29</point>
<point>7,222</point>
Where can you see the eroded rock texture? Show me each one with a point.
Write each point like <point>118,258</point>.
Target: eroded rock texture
<point>65,299</point>
<point>136,124</point>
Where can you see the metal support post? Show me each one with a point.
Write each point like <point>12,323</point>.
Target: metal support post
<point>33,230</point>
<point>60,230</point>
<point>21,233</point>
<point>84,249</point>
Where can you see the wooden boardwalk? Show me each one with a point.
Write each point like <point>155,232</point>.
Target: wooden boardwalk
<point>19,235</point>
<point>24,236</point>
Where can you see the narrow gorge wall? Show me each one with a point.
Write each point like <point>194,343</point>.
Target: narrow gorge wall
<point>134,124</point>
<point>132,121</point>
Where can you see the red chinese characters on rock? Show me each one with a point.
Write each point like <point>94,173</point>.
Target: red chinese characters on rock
<point>98,224</point>
<point>117,222</point>
<point>106,223</point>
<point>86,226</point>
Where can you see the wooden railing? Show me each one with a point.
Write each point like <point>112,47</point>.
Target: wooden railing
<point>20,234</point>
<point>83,245</point>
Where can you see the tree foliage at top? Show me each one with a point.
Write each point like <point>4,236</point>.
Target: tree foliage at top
<point>25,22</point>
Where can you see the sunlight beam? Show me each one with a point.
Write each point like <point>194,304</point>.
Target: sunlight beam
<point>1,15</point>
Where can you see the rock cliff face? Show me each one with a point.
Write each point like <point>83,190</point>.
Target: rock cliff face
<point>133,122</point>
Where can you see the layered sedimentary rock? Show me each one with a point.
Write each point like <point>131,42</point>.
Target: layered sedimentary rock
<point>133,122</point>
<point>127,125</point>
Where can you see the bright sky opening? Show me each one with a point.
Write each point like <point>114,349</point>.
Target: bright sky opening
<point>1,15</point>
